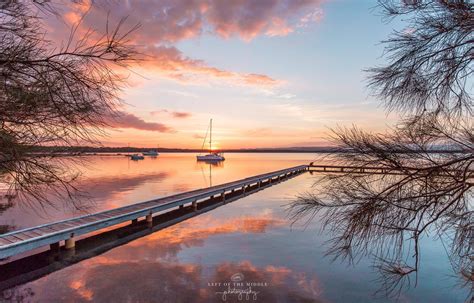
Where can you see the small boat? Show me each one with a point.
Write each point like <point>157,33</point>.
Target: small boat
<point>214,157</point>
<point>137,157</point>
<point>152,153</point>
<point>211,156</point>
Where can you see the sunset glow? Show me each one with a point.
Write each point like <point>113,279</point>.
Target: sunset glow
<point>270,74</point>
<point>231,150</point>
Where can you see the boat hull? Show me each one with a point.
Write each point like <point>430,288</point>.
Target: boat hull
<point>210,158</point>
<point>151,154</point>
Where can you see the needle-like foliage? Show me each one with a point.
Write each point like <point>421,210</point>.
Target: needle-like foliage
<point>55,96</point>
<point>427,79</point>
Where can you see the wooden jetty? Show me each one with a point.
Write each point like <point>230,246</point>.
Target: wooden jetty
<point>39,264</point>
<point>373,170</point>
<point>52,234</point>
<point>356,169</point>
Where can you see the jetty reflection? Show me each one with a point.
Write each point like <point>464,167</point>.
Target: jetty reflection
<point>38,265</point>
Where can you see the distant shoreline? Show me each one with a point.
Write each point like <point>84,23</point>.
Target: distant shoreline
<point>46,150</point>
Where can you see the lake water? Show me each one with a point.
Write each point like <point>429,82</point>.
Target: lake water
<point>251,239</point>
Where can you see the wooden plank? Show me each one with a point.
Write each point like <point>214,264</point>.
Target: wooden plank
<point>85,220</point>
<point>104,216</point>
<point>62,226</point>
<point>22,236</point>
<point>11,239</point>
<point>57,226</point>
<point>44,230</point>
<point>4,241</point>
<point>117,212</point>
<point>31,233</point>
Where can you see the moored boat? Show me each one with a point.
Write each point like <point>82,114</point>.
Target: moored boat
<point>152,153</point>
<point>212,156</point>
<point>137,157</point>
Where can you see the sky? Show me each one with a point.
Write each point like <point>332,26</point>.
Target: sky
<point>270,73</point>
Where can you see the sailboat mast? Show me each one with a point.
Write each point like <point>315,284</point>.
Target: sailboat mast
<point>210,138</point>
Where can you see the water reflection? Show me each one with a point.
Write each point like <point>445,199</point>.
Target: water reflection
<point>112,181</point>
<point>251,236</point>
<point>207,175</point>
<point>282,284</point>
<point>146,281</point>
<point>150,268</point>
<point>167,243</point>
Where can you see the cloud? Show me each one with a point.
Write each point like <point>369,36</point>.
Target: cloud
<point>249,19</point>
<point>128,120</point>
<point>181,114</point>
<point>279,27</point>
<point>170,21</point>
<point>171,63</point>
<point>166,22</point>
<point>174,114</point>
<point>311,17</point>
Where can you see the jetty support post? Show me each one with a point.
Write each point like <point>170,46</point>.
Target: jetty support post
<point>194,204</point>
<point>149,219</point>
<point>70,243</point>
<point>223,195</point>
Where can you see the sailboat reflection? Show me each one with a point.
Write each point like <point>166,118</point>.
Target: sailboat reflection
<point>210,164</point>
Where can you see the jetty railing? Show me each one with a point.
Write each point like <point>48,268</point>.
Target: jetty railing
<point>374,169</point>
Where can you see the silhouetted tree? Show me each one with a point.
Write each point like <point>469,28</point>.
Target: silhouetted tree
<point>52,96</point>
<point>428,81</point>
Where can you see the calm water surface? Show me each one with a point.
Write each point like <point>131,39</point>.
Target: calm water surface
<point>251,238</point>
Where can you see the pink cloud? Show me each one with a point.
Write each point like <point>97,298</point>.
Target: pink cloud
<point>165,22</point>
<point>181,114</point>
<point>248,19</point>
<point>279,27</point>
<point>174,114</point>
<point>311,17</point>
<point>170,62</point>
<point>170,21</point>
<point>128,120</point>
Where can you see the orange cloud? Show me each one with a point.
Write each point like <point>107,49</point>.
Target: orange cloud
<point>164,22</point>
<point>279,27</point>
<point>171,63</point>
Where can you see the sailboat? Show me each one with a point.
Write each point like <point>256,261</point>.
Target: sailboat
<point>211,156</point>
<point>137,157</point>
<point>152,153</point>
